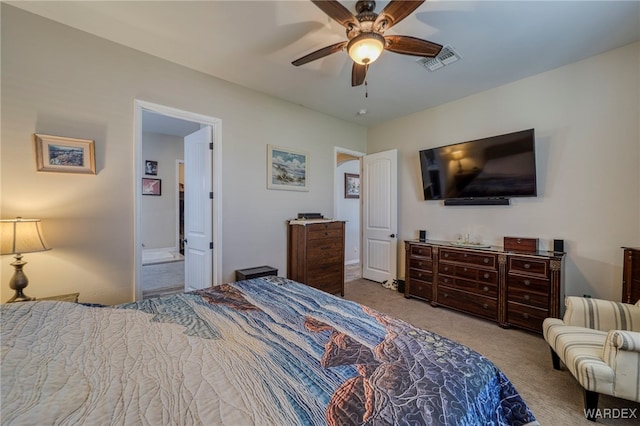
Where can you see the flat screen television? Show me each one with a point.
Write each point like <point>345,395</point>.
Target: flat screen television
<point>497,167</point>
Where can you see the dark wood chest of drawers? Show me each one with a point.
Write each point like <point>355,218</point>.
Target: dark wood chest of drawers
<point>316,255</point>
<point>631,275</point>
<point>510,288</point>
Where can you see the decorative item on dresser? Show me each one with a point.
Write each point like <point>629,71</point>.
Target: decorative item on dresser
<point>631,275</point>
<point>316,254</point>
<point>512,288</point>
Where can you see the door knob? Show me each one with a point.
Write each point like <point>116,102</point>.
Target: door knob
<point>392,235</point>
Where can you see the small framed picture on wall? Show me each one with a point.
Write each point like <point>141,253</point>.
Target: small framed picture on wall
<point>151,186</point>
<point>151,168</point>
<point>351,185</point>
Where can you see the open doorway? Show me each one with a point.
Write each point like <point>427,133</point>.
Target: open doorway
<point>348,207</point>
<point>164,142</point>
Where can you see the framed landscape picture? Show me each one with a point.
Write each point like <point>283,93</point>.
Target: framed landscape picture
<point>68,155</point>
<point>287,169</point>
<point>351,185</point>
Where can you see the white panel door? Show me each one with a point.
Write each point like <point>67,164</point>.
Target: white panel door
<point>379,186</point>
<point>198,205</point>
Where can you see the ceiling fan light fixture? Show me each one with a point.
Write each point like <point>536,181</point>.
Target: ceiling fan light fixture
<point>365,48</point>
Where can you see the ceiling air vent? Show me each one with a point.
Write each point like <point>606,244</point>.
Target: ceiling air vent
<point>446,56</point>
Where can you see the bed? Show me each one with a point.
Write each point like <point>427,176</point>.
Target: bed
<point>265,351</point>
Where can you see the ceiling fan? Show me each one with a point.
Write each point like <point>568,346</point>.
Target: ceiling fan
<point>365,34</point>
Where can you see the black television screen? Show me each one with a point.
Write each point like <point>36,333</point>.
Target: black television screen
<point>494,167</point>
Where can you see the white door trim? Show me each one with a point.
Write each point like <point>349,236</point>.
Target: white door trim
<point>216,124</point>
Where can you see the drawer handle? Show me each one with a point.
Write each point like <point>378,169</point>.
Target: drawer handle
<point>419,263</point>
<point>419,274</point>
<point>486,276</point>
<point>465,269</point>
<point>446,295</point>
<point>525,316</point>
<point>486,260</point>
<point>527,297</point>
<point>419,288</point>
<point>527,282</point>
<point>465,255</point>
<point>446,280</point>
<point>485,288</point>
<point>446,268</point>
<point>484,305</point>
<point>420,251</point>
<point>527,266</point>
<point>446,255</point>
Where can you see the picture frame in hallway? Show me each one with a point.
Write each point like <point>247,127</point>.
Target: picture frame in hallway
<point>151,186</point>
<point>65,155</point>
<point>287,169</point>
<point>150,167</point>
<point>351,185</point>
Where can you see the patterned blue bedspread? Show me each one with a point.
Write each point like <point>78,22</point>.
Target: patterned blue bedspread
<point>325,360</point>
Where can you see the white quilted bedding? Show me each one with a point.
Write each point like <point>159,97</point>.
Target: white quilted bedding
<point>86,371</point>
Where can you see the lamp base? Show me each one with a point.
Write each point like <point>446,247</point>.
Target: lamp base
<point>19,281</point>
<point>20,297</point>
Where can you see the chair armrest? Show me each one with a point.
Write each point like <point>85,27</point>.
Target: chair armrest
<point>622,353</point>
<point>624,340</point>
<point>601,314</point>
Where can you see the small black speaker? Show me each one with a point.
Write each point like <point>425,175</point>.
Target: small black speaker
<point>423,235</point>
<point>558,245</point>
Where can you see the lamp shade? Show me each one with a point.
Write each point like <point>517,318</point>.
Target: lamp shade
<point>365,48</point>
<point>21,236</point>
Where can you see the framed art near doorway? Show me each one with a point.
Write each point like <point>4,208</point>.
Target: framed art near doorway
<point>287,169</point>
<point>351,185</point>
<point>151,186</point>
<point>67,155</point>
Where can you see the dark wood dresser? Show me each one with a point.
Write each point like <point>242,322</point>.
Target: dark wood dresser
<point>631,275</point>
<point>316,254</point>
<point>509,287</point>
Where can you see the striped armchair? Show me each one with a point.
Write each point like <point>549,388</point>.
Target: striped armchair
<point>599,343</point>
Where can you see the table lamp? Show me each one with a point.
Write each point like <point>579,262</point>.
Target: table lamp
<point>18,236</point>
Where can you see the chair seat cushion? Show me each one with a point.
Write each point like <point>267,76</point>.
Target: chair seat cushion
<point>581,350</point>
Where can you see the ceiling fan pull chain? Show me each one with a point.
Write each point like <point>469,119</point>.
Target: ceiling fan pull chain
<point>366,84</point>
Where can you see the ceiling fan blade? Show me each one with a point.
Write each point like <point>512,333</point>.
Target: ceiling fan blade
<point>358,74</point>
<point>320,53</point>
<point>396,11</point>
<point>337,12</point>
<point>407,45</point>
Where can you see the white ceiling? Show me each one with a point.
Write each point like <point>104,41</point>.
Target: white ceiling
<point>252,43</point>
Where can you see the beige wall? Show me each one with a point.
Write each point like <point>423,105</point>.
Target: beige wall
<point>586,119</point>
<point>159,214</point>
<point>57,80</point>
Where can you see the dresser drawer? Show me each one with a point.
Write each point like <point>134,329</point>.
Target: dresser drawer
<point>471,258</point>
<point>529,266</point>
<point>526,316</point>
<point>321,250</point>
<point>419,274</point>
<point>421,263</point>
<point>322,230</point>
<point>421,289</point>
<point>472,286</point>
<point>485,307</point>
<point>469,272</point>
<point>420,251</point>
<point>527,284</point>
<point>526,297</point>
